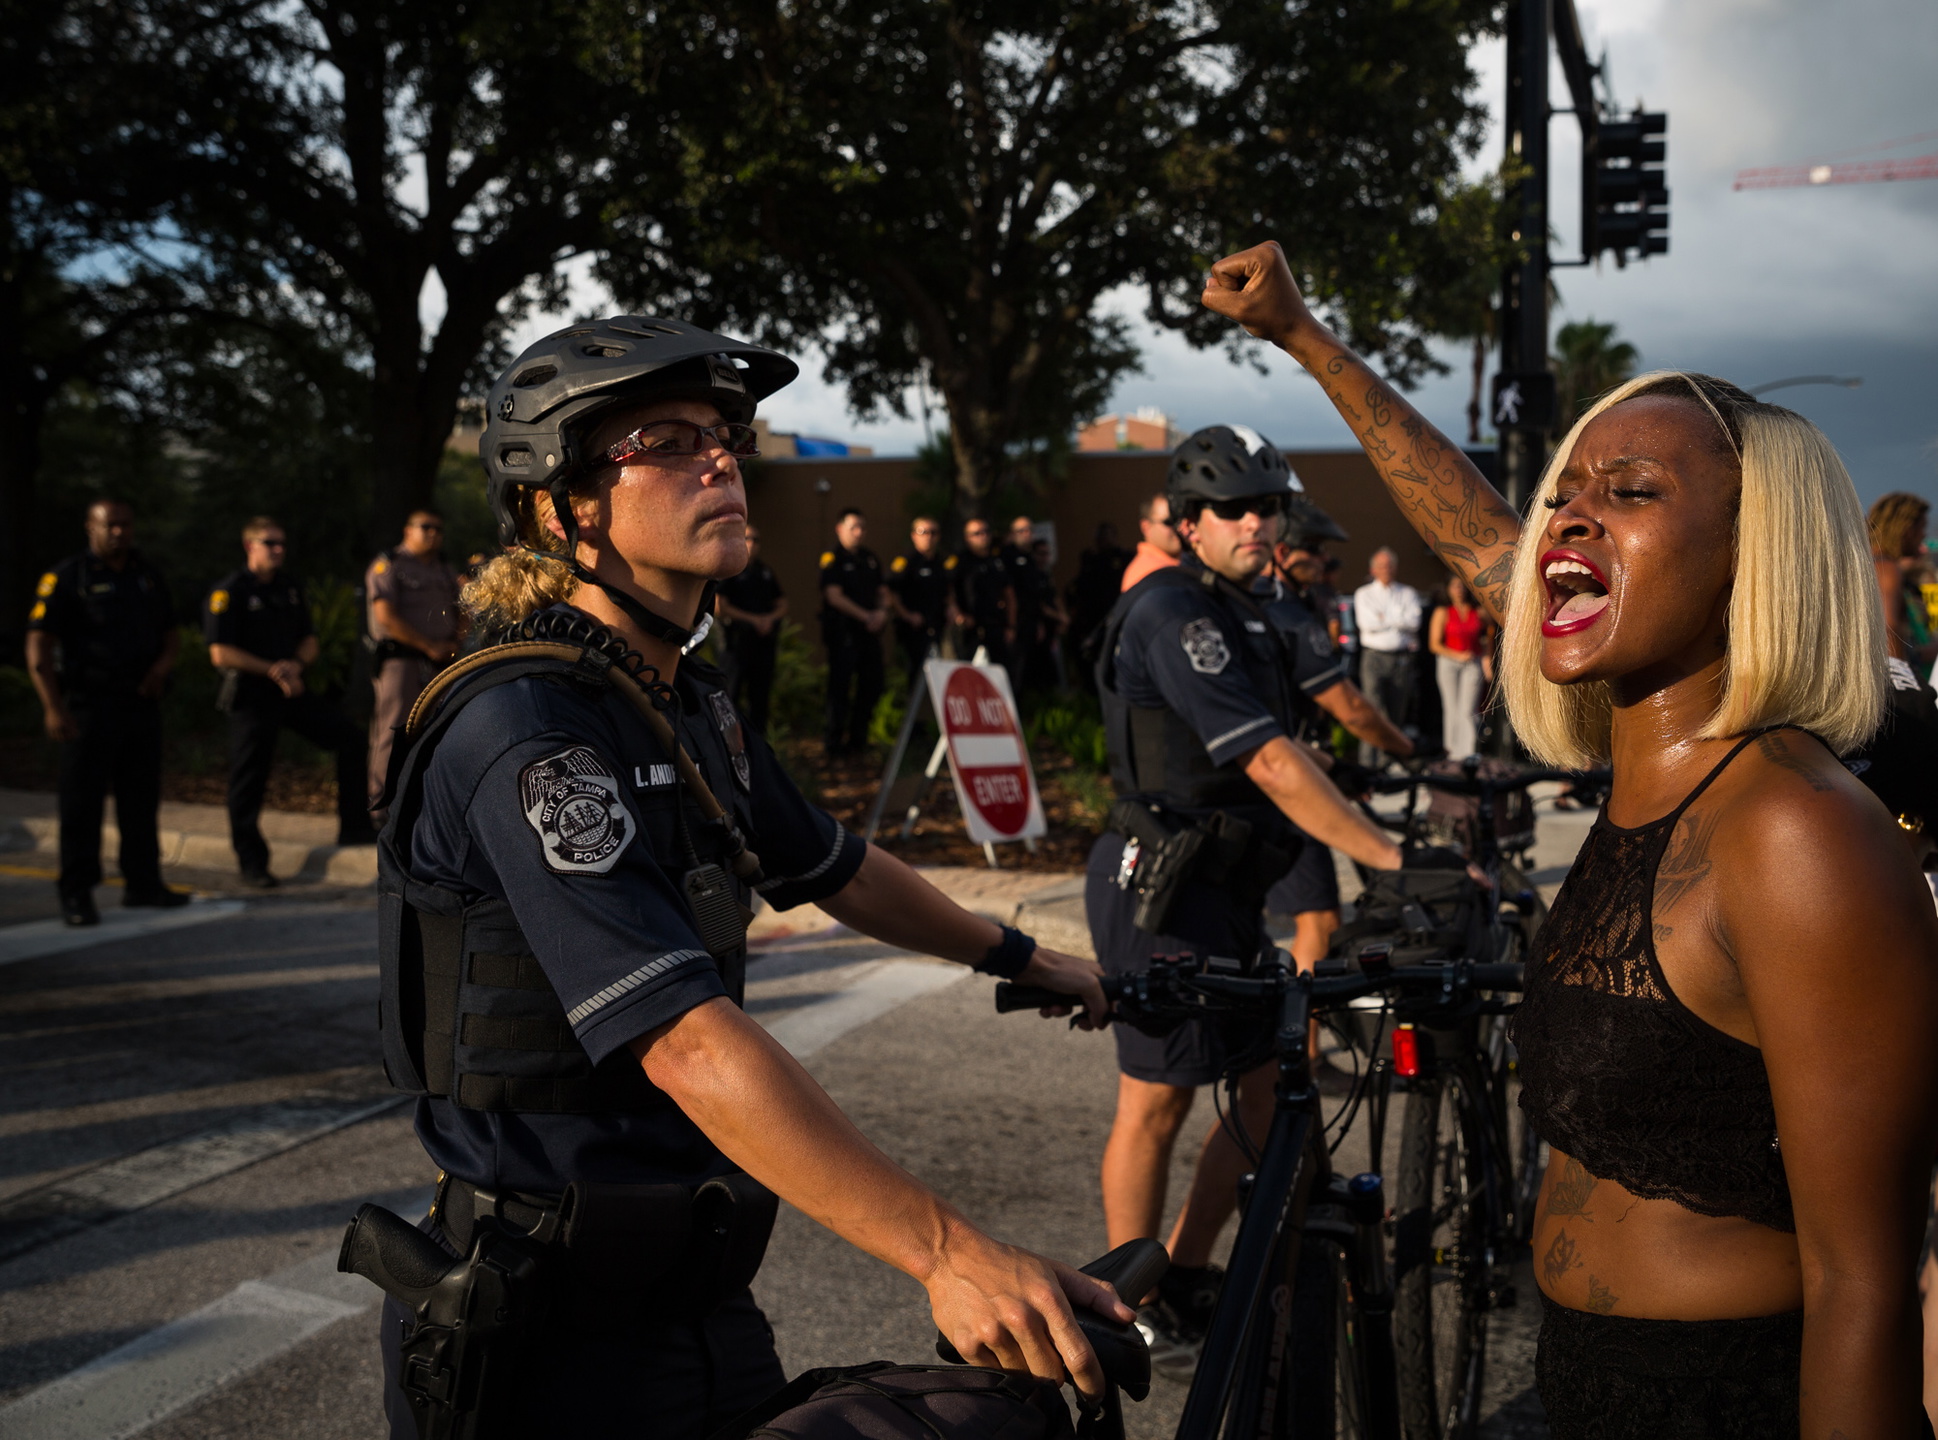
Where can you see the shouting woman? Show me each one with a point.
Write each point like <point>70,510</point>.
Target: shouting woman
<point>1726,1033</point>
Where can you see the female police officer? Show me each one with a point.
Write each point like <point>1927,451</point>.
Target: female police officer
<point>560,977</point>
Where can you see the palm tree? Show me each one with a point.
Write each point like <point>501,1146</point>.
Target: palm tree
<point>1588,363</point>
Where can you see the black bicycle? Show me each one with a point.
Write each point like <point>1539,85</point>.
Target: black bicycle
<point>1467,1169</point>
<point>1302,1341</point>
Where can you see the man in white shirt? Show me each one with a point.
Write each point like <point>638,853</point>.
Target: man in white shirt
<point>1388,616</point>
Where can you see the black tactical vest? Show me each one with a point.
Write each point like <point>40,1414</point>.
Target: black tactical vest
<point>1154,754</point>
<point>465,1009</point>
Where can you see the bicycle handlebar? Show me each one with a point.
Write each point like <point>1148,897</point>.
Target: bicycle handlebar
<point>1240,992</point>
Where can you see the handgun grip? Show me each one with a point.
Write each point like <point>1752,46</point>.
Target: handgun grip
<point>394,1255</point>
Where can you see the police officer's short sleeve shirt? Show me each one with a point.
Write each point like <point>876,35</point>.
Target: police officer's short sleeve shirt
<point>755,590</point>
<point>857,574</point>
<point>111,624</point>
<point>268,618</point>
<point>564,805</point>
<point>1314,661</point>
<point>1182,650</point>
<point>424,593</point>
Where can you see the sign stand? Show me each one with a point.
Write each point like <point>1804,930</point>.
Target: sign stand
<point>976,723</point>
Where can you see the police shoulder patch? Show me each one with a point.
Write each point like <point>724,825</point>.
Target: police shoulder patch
<point>1320,639</point>
<point>572,801</point>
<point>898,564</point>
<point>1204,646</point>
<point>950,563</point>
<point>827,558</point>
<point>38,613</point>
<point>218,602</point>
<point>47,584</point>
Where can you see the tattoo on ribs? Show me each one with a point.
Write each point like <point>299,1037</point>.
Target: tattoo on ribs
<point>1686,864</point>
<point>1560,1259</point>
<point>1569,1193</point>
<point>1778,753</point>
<point>1600,1300</point>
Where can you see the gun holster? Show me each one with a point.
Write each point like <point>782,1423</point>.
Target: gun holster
<point>465,1309</point>
<point>1217,850</point>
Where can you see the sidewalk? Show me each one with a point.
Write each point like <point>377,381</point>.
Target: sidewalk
<point>196,837</point>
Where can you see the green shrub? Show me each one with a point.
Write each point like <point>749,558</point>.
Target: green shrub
<point>1074,726</point>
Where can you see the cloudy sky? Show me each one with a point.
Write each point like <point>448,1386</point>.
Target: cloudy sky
<point>1758,285</point>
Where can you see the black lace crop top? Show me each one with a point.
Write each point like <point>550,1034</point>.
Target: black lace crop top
<point>1615,1071</point>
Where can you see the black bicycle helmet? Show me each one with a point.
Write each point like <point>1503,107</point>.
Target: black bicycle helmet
<point>1234,462</point>
<point>541,407</point>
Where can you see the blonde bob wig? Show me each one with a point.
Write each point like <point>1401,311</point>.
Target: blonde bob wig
<point>1806,637</point>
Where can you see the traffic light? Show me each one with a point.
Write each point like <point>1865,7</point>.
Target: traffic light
<point>1624,188</point>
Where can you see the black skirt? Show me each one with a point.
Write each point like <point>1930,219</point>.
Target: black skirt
<point>1612,1377</point>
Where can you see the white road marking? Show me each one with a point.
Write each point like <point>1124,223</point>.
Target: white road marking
<point>146,1177</point>
<point>53,937</point>
<point>882,988</point>
<point>170,1368</point>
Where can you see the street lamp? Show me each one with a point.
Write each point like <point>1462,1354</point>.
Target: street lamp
<point>1849,382</point>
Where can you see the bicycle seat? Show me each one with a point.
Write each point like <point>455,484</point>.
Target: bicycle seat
<point>1133,1270</point>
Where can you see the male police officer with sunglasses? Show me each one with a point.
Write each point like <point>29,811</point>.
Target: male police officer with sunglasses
<point>1201,713</point>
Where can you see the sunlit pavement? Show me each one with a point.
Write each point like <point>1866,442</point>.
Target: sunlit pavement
<point>192,1113</point>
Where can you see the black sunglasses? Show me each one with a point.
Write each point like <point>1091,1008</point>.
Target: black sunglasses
<point>1266,507</point>
<point>675,439</point>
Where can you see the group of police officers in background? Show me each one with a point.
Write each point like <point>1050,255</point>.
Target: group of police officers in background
<point>102,642</point>
<point>996,600</point>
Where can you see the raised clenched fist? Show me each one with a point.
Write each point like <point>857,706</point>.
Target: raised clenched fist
<point>1255,287</point>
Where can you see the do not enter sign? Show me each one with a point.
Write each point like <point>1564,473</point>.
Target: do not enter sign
<point>987,757</point>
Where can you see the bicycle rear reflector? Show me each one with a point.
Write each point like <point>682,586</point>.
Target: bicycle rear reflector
<point>1406,1051</point>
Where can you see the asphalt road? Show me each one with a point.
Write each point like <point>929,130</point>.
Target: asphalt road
<point>192,1113</point>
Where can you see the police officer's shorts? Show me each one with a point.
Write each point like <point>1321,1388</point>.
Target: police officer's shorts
<point>1203,922</point>
<point>1311,884</point>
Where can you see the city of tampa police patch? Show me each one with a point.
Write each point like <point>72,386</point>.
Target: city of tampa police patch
<point>573,803</point>
<point>1204,646</point>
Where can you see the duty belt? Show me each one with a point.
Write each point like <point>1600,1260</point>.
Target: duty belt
<point>630,1248</point>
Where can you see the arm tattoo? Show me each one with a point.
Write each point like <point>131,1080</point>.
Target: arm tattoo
<point>1569,1194</point>
<point>1778,753</point>
<point>1687,863</point>
<point>1600,1300</point>
<point>1560,1259</point>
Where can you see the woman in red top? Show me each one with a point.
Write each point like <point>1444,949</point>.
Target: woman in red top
<point>1459,637</point>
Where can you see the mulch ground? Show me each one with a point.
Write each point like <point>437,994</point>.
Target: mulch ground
<point>846,788</point>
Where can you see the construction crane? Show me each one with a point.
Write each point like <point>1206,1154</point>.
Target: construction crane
<point>1828,172</point>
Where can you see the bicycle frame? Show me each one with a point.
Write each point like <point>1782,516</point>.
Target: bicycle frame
<point>1237,1379</point>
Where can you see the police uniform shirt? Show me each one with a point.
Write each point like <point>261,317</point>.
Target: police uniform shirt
<point>1184,650</point>
<point>1312,660</point>
<point>111,624</point>
<point>980,583</point>
<point>755,590</point>
<point>921,582</point>
<point>858,575</point>
<point>1020,568</point>
<point>268,618</point>
<point>423,591</point>
<point>603,911</point>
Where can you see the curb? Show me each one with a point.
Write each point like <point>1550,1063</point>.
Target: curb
<point>288,859</point>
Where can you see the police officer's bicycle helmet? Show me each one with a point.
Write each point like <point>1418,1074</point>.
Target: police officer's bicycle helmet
<point>1235,462</point>
<point>543,406</point>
